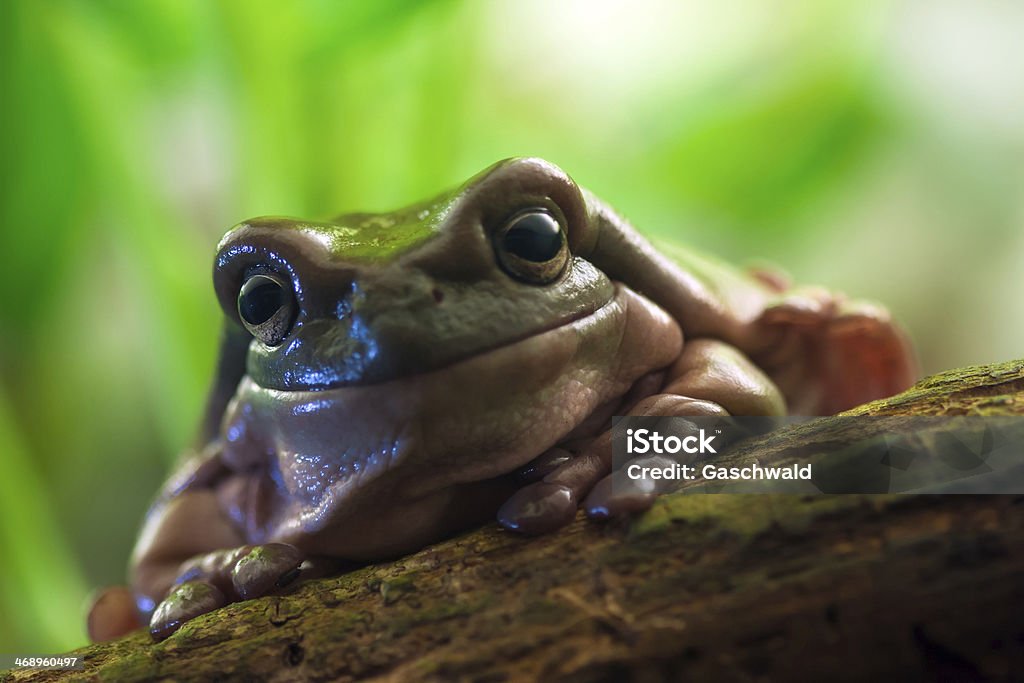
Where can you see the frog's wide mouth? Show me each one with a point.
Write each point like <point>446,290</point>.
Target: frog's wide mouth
<point>398,325</point>
<point>380,364</point>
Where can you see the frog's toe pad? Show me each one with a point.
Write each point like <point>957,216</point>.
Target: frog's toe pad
<point>618,495</point>
<point>186,601</point>
<point>538,509</point>
<point>266,568</point>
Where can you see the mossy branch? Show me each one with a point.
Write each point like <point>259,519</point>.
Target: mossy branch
<point>742,587</point>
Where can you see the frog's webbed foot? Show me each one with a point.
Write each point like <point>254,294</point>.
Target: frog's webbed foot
<point>215,579</point>
<point>710,379</point>
<point>829,353</point>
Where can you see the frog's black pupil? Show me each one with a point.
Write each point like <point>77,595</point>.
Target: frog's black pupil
<point>534,237</point>
<point>260,299</point>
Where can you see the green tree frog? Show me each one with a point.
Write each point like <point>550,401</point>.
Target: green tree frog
<point>386,380</point>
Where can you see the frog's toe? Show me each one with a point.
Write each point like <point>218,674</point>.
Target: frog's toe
<point>186,601</point>
<point>266,568</point>
<point>617,495</point>
<point>538,508</point>
<point>112,614</point>
<point>551,503</point>
<point>620,494</point>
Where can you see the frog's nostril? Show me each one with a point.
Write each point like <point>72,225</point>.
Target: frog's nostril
<point>343,309</point>
<point>438,295</point>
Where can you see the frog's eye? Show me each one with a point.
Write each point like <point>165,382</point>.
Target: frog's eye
<point>532,246</point>
<point>267,308</point>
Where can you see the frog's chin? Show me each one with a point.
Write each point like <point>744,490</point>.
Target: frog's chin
<point>337,453</point>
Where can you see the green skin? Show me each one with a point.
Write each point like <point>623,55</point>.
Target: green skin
<point>420,367</point>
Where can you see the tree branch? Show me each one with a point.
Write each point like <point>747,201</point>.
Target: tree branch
<point>726,587</point>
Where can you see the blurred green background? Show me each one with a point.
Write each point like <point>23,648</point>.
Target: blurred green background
<point>872,146</point>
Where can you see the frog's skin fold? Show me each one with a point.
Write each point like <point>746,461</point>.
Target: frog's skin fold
<point>386,380</point>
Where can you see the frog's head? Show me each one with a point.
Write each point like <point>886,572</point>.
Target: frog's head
<point>367,298</point>
<point>399,364</point>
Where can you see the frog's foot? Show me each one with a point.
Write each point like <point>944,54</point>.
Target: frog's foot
<point>210,581</point>
<point>830,354</point>
<point>710,378</point>
<point>112,614</point>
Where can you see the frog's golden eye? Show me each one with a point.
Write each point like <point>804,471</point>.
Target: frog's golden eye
<point>267,308</point>
<point>532,246</point>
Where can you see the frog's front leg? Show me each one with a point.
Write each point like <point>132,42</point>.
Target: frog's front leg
<point>191,560</point>
<point>710,378</point>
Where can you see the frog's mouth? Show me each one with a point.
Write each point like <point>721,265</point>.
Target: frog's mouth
<point>399,327</point>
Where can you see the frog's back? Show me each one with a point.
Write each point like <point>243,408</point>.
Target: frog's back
<point>827,353</point>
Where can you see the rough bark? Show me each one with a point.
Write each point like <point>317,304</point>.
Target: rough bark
<point>704,587</point>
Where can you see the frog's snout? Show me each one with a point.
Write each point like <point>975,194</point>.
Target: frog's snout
<point>361,331</point>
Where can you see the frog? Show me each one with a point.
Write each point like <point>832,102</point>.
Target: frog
<point>387,380</point>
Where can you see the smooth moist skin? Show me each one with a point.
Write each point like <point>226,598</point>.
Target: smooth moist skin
<point>388,379</point>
